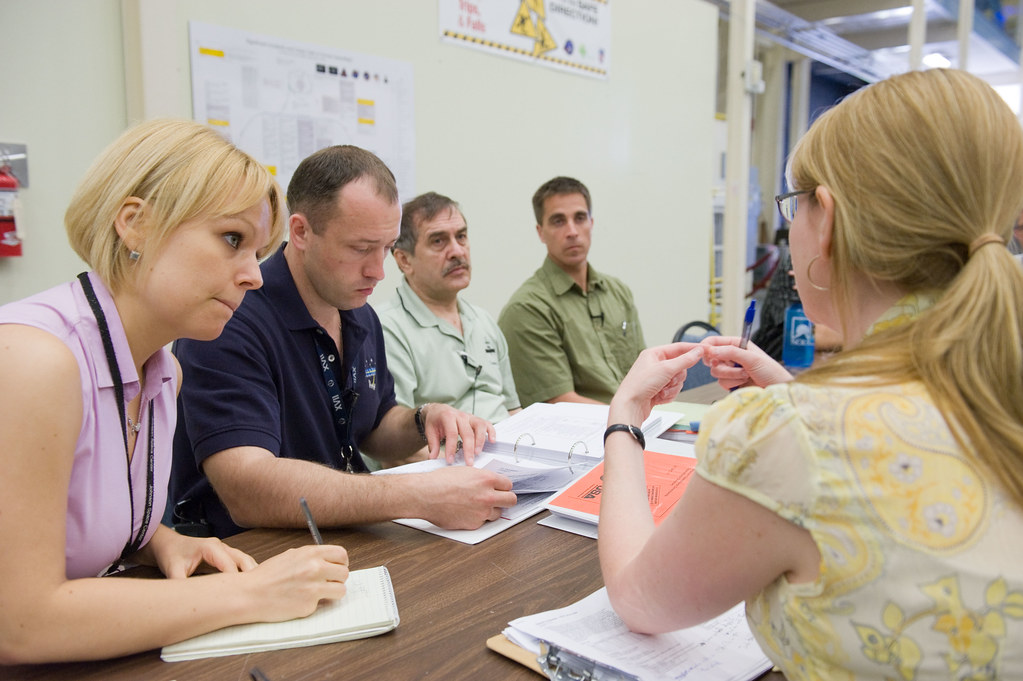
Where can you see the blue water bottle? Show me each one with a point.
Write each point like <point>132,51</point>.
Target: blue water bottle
<point>797,350</point>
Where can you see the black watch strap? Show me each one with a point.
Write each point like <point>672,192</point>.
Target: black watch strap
<point>624,427</point>
<point>420,422</point>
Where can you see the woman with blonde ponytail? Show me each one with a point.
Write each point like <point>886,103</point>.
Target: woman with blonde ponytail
<point>870,511</point>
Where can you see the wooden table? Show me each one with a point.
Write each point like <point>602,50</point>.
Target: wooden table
<point>451,598</point>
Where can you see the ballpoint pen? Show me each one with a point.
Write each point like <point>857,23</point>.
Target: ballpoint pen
<point>747,330</point>
<point>747,324</point>
<point>310,522</point>
<point>258,674</point>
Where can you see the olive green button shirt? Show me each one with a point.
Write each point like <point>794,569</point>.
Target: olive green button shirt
<point>562,339</point>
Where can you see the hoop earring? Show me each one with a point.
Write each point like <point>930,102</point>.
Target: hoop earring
<point>809,278</point>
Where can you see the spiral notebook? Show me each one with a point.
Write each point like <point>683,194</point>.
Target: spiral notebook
<point>367,609</point>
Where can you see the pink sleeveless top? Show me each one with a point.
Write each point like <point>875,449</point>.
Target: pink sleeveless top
<point>98,511</point>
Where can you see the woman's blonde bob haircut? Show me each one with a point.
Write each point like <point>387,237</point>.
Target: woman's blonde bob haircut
<point>181,170</point>
<point>921,166</point>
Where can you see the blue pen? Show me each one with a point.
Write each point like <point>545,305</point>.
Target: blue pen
<point>747,327</point>
<point>747,324</point>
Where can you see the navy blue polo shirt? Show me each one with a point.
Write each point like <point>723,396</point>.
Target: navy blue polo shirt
<point>261,384</point>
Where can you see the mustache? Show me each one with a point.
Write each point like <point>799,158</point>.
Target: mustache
<point>456,263</point>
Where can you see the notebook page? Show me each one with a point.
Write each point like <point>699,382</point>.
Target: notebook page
<point>368,608</point>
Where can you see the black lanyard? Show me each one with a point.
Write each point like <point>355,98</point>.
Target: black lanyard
<point>342,413</point>
<point>133,544</point>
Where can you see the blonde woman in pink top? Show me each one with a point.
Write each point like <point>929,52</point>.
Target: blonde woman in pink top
<point>171,218</point>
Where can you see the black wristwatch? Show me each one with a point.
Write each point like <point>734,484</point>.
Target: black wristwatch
<point>420,422</point>
<point>636,432</point>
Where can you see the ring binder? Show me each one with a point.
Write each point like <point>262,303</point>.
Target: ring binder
<point>561,665</point>
<point>515,447</point>
<point>587,641</point>
<point>547,433</point>
<point>586,450</point>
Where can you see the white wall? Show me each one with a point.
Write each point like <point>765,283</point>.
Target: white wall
<point>489,130</point>
<point>62,94</point>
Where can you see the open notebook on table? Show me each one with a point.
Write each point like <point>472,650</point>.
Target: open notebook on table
<point>367,609</point>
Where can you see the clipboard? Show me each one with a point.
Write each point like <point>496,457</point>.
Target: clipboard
<point>501,644</point>
<point>557,664</point>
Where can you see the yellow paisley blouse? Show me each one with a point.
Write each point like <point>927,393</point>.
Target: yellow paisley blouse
<point>921,573</point>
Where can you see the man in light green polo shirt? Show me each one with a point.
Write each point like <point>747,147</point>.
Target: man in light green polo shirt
<point>441,348</point>
<point>573,333</point>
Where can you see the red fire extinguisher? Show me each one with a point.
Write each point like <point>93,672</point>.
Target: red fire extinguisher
<point>10,241</point>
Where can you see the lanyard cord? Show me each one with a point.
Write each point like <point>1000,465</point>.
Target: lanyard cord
<point>342,416</point>
<point>134,543</point>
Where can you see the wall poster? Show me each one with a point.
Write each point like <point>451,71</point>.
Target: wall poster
<point>281,100</point>
<point>571,35</point>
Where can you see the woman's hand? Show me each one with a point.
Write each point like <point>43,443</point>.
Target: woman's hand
<point>656,377</point>
<point>291,584</point>
<point>735,367</point>
<point>179,556</point>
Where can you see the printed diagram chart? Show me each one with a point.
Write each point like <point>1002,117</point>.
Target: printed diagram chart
<point>282,100</point>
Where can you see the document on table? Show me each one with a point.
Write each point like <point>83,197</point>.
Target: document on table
<point>722,649</point>
<point>527,476</point>
<point>527,504</point>
<point>550,432</point>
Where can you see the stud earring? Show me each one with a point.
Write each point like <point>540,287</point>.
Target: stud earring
<point>134,255</point>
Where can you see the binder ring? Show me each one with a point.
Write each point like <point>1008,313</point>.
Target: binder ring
<point>515,448</point>
<point>586,450</point>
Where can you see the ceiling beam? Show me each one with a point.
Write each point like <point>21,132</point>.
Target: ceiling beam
<point>937,32</point>
<point>820,10</point>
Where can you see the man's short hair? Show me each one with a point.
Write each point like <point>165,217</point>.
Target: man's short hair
<point>558,187</point>
<point>414,213</point>
<point>320,176</point>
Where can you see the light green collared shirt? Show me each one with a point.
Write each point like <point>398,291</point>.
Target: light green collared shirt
<point>431,362</point>
<point>564,339</point>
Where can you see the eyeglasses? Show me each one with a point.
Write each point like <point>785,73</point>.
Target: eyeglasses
<point>787,203</point>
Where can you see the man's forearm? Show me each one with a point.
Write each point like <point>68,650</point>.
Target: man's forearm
<point>396,438</point>
<point>266,493</point>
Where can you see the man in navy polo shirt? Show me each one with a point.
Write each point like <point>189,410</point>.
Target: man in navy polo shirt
<point>280,406</point>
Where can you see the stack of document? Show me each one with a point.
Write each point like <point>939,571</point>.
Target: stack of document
<point>588,640</point>
<point>541,449</point>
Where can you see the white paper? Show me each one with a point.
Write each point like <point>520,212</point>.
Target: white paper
<point>549,432</point>
<point>527,476</point>
<point>281,100</point>
<point>722,649</point>
<point>560,522</point>
<point>665,446</point>
<point>528,506</point>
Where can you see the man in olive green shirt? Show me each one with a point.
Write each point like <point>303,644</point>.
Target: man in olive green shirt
<point>572,332</point>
